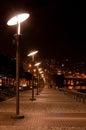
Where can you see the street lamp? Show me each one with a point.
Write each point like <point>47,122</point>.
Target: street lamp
<point>16,20</point>
<point>32,54</point>
<point>37,65</point>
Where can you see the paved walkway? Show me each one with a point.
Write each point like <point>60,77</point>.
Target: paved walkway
<point>52,110</point>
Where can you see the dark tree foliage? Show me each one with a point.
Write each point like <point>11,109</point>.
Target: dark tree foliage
<point>7,66</point>
<point>26,75</point>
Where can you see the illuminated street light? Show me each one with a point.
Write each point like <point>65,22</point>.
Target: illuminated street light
<point>37,65</point>
<point>32,54</point>
<point>16,20</point>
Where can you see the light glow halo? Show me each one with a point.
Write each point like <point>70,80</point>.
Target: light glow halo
<point>32,53</point>
<point>18,19</point>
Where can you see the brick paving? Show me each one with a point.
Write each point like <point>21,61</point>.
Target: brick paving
<point>52,110</point>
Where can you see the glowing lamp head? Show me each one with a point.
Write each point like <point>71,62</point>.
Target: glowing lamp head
<point>32,53</point>
<point>18,19</point>
<point>37,64</point>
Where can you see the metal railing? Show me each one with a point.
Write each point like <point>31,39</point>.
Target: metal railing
<point>78,96</point>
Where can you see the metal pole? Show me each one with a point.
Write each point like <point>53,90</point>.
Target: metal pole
<point>17,76</point>
<point>33,81</point>
<point>17,37</point>
<point>38,82</point>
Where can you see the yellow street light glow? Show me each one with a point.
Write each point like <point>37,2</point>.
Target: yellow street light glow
<point>40,69</point>
<point>17,20</point>
<point>41,72</point>
<point>32,53</point>
<point>37,64</point>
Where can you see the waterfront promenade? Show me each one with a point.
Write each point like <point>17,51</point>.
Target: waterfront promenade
<point>52,110</point>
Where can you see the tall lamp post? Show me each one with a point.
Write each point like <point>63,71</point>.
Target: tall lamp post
<point>32,54</point>
<point>16,20</point>
<point>37,65</point>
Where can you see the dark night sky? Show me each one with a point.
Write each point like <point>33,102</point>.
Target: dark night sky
<point>56,29</point>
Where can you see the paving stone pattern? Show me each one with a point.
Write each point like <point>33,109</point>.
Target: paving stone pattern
<point>52,110</point>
